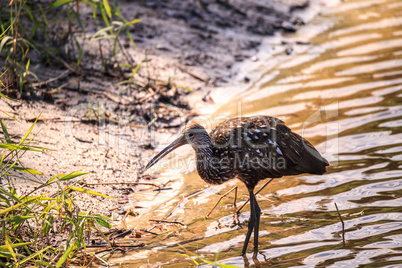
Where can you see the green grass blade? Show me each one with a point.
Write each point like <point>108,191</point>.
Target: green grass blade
<point>60,3</point>
<point>24,178</point>
<point>136,69</point>
<point>9,248</point>
<point>66,177</point>
<point>66,253</point>
<point>216,264</point>
<point>78,19</point>
<point>102,220</point>
<point>107,8</point>
<point>1,95</point>
<point>3,33</point>
<point>4,211</point>
<point>5,132</point>
<point>17,147</point>
<point>102,32</point>
<point>101,233</point>
<point>29,131</point>
<point>18,219</point>
<point>82,190</point>
<point>188,256</point>
<point>105,19</point>
<point>27,66</point>
<point>28,10</point>
<point>10,195</point>
<point>72,175</point>
<point>6,264</point>
<point>81,53</point>
<point>8,255</point>
<point>43,263</point>
<point>33,255</point>
<point>4,41</point>
<point>129,36</point>
<point>133,22</point>
<point>28,170</point>
<point>186,88</point>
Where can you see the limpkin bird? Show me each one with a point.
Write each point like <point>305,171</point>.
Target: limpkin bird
<point>250,149</point>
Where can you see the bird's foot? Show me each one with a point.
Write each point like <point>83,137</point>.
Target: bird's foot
<point>255,260</point>
<point>255,254</point>
<point>246,262</point>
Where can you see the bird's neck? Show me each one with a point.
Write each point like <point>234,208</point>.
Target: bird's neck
<point>204,150</point>
<point>209,166</point>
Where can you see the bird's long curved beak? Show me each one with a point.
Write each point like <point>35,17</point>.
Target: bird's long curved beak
<point>175,144</point>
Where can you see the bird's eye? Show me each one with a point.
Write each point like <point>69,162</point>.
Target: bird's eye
<point>191,135</point>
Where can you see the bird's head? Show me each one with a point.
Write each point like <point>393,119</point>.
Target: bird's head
<point>193,134</point>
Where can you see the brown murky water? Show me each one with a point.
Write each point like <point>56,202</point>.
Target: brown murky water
<point>342,89</point>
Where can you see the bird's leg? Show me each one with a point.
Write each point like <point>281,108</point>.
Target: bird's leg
<point>251,222</point>
<point>245,203</point>
<point>257,214</point>
<point>222,196</point>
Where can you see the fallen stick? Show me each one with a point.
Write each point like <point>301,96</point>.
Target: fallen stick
<point>107,247</point>
<point>343,225</point>
<point>62,75</point>
<point>133,183</point>
<point>165,221</point>
<point>162,189</point>
<point>222,196</point>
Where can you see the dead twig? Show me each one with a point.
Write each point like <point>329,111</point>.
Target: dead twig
<point>200,77</point>
<point>165,221</point>
<point>62,75</point>
<point>54,119</point>
<point>82,140</point>
<point>129,183</point>
<point>343,225</point>
<point>123,220</point>
<point>149,95</point>
<point>162,189</point>
<point>68,66</point>
<point>107,247</point>
<point>129,246</point>
<point>128,57</point>
<point>222,196</point>
<point>90,262</point>
<point>166,183</point>
<point>192,194</point>
<point>245,203</point>
<point>171,211</point>
<point>123,234</point>
<point>152,233</point>
<point>153,120</point>
<point>57,89</point>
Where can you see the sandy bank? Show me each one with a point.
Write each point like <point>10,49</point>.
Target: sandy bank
<point>109,130</point>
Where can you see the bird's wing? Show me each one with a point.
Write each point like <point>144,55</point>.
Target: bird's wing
<point>268,144</point>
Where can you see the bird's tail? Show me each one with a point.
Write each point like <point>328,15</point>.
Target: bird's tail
<point>312,161</point>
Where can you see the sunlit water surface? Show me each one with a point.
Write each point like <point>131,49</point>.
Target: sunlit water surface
<point>342,89</point>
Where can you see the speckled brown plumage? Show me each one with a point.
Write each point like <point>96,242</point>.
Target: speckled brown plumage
<point>250,149</point>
